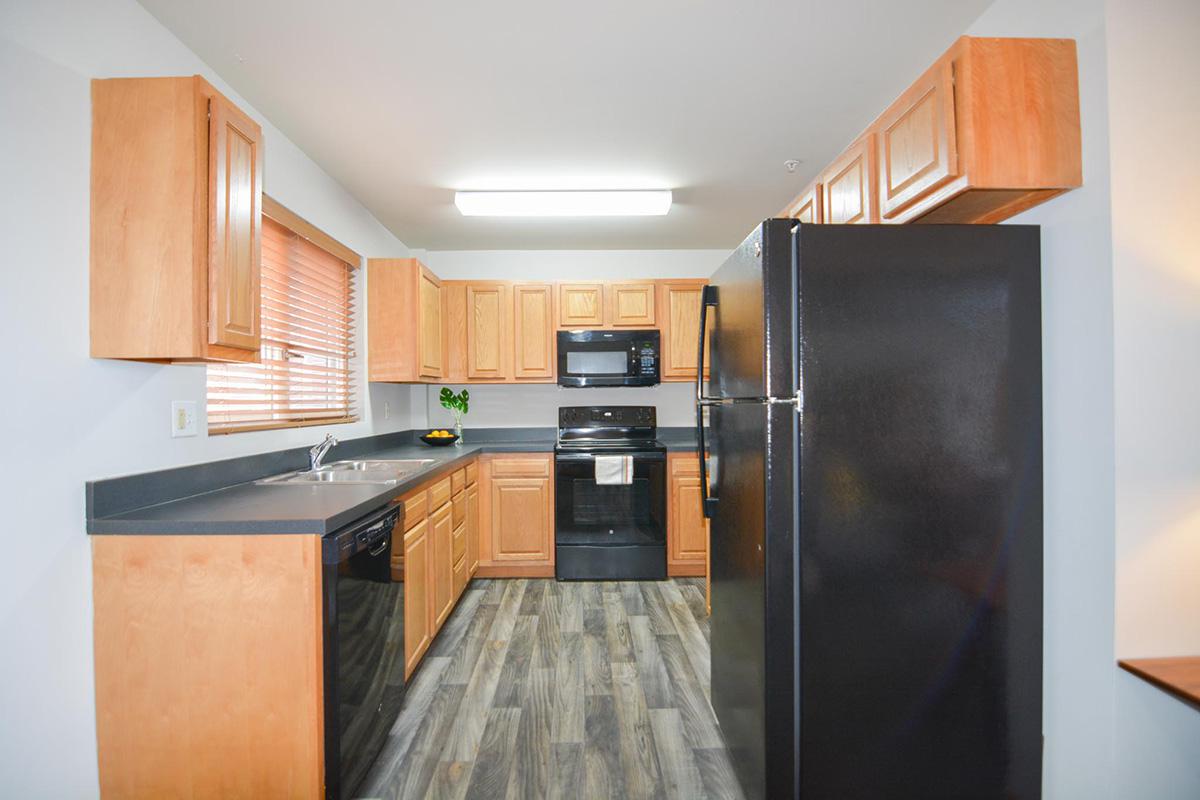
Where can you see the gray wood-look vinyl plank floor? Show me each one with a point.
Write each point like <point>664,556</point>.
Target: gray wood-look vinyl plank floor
<point>564,690</point>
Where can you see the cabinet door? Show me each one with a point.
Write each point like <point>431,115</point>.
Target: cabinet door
<point>631,305</point>
<point>429,330</point>
<point>533,331</point>
<point>521,519</point>
<point>459,545</point>
<point>580,305</point>
<point>487,331</point>
<point>807,207</point>
<point>848,186</point>
<point>681,311</point>
<point>235,238</point>
<point>418,614</point>
<point>472,529</point>
<point>443,565</point>
<point>916,141</point>
<point>688,538</point>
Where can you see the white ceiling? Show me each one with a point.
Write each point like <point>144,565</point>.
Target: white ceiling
<point>405,102</point>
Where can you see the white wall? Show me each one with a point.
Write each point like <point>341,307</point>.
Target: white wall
<point>1154,107</point>
<point>72,417</point>
<point>536,405</point>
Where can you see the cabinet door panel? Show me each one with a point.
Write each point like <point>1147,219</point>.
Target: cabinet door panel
<point>235,239</point>
<point>443,565</point>
<point>682,311</point>
<point>580,305</point>
<point>472,529</point>
<point>521,528</point>
<point>631,305</point>
<point>429,310</point>
<point>690,541</point>
<point>418,628</point>
<point>917,148</point>
<point>487,331</point>
<point>849,186</point>
<point>533,331</point>
<point>808,206</point>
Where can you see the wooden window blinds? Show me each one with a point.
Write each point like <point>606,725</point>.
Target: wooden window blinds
<point>305,376</point>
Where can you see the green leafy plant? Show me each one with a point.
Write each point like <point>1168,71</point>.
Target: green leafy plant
<point>456,404</point>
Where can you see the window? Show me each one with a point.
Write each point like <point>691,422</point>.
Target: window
<point>307,335</point>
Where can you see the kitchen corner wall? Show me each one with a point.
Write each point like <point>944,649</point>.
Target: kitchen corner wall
<point>536,405</point>
<point>68,417</point>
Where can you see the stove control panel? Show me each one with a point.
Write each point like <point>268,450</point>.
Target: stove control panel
<point>606,417</point>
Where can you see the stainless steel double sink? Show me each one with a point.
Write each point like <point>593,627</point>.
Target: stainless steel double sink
<point>372,471</point>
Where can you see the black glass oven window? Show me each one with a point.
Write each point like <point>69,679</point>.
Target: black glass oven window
<point>606,505</point>
<point>597,362</point>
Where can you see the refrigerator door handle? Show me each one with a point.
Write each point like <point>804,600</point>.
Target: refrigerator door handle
<point>708,504</point>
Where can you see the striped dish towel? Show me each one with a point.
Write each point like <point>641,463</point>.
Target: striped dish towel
<point>614,470</point>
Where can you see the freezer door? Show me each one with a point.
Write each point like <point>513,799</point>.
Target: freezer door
<point>752,333</point>
<point>753,614</point>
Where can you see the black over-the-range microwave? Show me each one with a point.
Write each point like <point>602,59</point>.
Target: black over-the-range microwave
<point>608,358</point>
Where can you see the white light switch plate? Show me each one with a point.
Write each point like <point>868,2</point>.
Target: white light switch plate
<point>183,418</point>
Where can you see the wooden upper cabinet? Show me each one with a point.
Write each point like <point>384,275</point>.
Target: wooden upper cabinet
<point>848,186</point>
<point>679,302</point>
<point>988,131</point>
<point>916,141</point>
<point>533,331</point>
<point>406,322</point>
<point>235,208</point>
<point>580,305</point>
<point>631,305</point>
<point>176,238</point>
<point>807,207</point>
<point>488,331</point>
<point>429,324</point>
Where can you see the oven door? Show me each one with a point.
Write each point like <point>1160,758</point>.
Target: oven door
<point>588,513</point>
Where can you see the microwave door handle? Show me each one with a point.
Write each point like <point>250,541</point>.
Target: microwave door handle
<point>708,503</point>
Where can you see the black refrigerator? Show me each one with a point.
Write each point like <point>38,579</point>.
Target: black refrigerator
<point>874,482</point>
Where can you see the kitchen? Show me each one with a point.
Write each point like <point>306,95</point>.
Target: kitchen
<point>1111,590</point>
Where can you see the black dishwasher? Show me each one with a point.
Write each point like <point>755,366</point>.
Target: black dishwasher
<point>363,605</point>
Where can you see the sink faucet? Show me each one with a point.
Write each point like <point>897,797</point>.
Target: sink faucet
<point>317,453</point>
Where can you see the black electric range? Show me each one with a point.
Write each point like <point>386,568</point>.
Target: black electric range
<point>609,531</point>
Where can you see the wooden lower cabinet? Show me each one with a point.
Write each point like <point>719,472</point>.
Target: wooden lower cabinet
<point>441,531</point>
<point>687,529</point>
<point>517,515</point>
<point>472,493</point>
<point>418,616</point>
<point>208,665</point>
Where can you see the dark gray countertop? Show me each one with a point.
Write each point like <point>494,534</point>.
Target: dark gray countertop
<point>250,507</point>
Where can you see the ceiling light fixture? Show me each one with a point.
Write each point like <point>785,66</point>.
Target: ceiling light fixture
<point>615,203</point>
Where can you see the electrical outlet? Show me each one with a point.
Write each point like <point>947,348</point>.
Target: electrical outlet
<point>183,418</point>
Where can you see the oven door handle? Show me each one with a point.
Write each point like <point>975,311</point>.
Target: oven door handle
<point>637,457</point>
<point>708,503</point>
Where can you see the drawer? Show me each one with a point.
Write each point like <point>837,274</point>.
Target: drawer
<point>537,467</point>
<point>458,543</point>
<point>685,464</point>
<point>472,472</point>
<point>439,494</point>
<point>416,508</point>
<point>459,509</point>
<point>458,481</point>
<point>460,577</point>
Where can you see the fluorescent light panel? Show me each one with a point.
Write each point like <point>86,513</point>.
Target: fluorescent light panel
<point>615,203</point>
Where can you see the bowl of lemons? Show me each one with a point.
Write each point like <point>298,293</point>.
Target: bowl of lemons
<point>439,438</point>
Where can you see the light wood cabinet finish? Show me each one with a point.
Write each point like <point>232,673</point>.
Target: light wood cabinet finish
<point>533,331</point>
<point>488,331</point>
<point>516,515</point>
<point>580,305</point>
<point>235,211</point>
<point>418,592</point>
<point>848,186</point>
<point>208,665</point>
<point>442,569</point>
<point>807,207</point>
<point>176,202</point>
<point>631,305</point>
<point>687,530</point>
<point>917,143</point>
<point>680,314</point>
<point>440,492</point>
<point>988,131</point>
<point>405,322</point>
<point>458,511</point>
<point>472,493</point>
